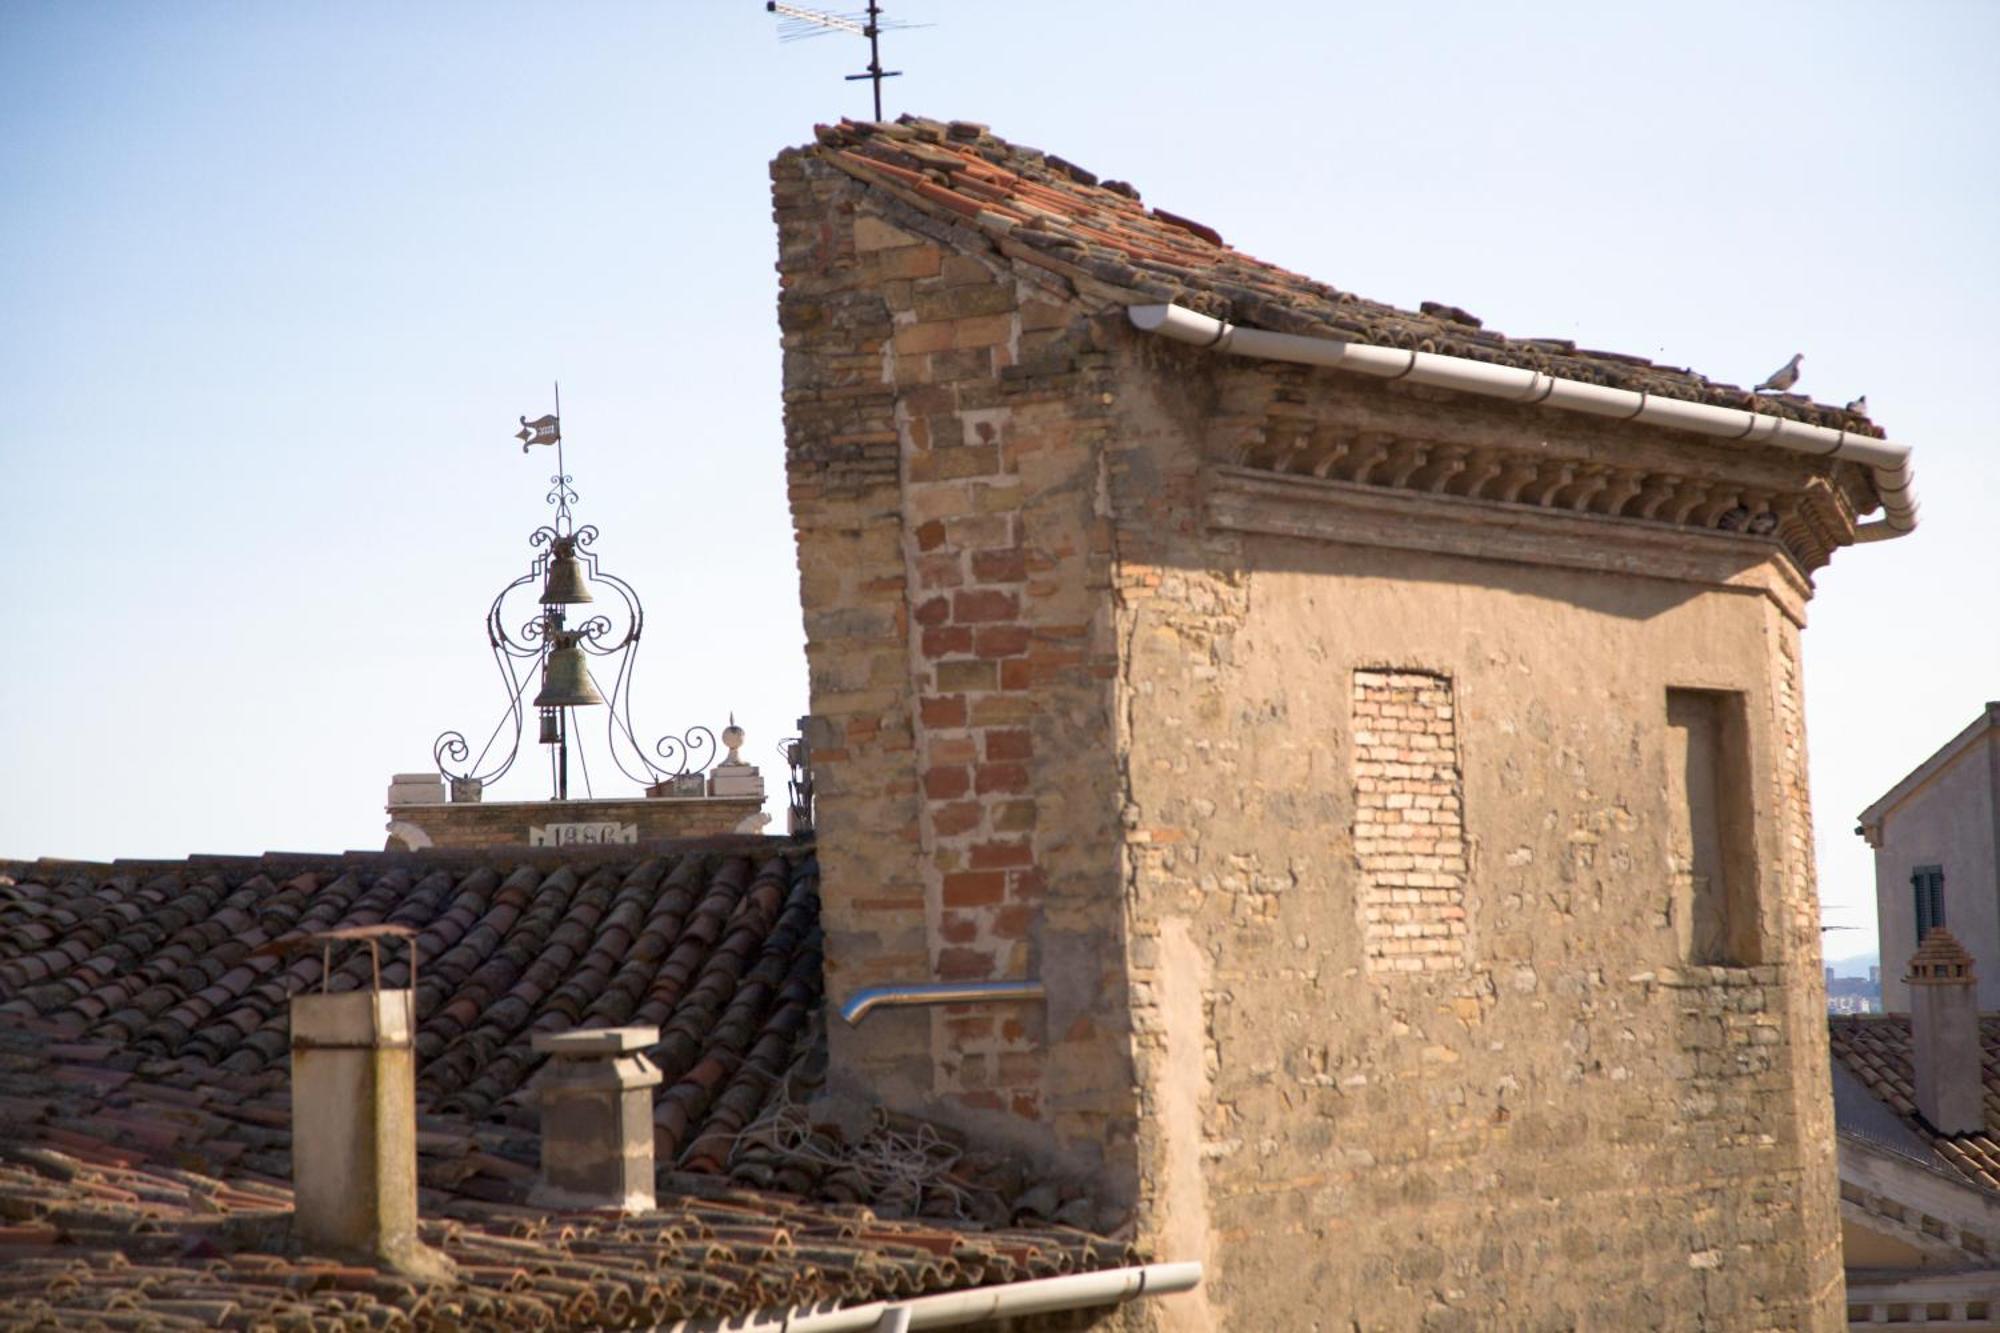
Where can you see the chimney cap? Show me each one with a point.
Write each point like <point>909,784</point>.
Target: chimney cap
<point>584,1042</point>
<point>1940,959</point>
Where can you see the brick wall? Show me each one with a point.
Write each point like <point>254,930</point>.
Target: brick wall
<point>943,446</point>
<point>1408,837</point>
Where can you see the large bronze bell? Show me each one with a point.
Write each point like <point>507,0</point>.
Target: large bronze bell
<point>565,585</point>
<point>566,677</point>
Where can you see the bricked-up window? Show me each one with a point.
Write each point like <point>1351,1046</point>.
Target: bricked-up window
<point>1408,833</point>
<point>1714,847</point>
<point>1927,884</point>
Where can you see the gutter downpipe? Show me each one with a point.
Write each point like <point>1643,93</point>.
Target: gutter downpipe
<point>1889,463</point>
<point>862,1002</point>
<point>951,1309</point>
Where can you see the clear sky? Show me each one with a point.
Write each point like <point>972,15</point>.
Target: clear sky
<point>278,279</point>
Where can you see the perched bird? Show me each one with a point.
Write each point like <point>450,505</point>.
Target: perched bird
<point>1784,377</point>
<point>1764,524</point>
<point>1859,405</point>
<point>1734,519</point>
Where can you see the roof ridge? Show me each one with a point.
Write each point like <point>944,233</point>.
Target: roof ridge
<point>1043,209</point>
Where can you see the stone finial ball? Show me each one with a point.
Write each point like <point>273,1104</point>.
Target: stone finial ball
<point>732,736</point>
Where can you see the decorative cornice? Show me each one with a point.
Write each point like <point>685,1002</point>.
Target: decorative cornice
<point>1809,518</point>
<point>1360,513</point>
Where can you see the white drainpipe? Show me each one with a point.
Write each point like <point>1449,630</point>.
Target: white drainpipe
<point>950,1309</point>
<point>1890,463</point>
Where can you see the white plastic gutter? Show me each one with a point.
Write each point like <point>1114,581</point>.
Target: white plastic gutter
<point>1894,476</point>
<point>950,1309</point>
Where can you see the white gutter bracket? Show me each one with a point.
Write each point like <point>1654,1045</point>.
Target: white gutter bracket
<point>1889,463</point>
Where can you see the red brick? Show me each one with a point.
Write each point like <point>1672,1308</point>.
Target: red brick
<point>1026,886</point>
<point>984,604</point>
<point>975,888</point>
<point>930,535</point>
<point>934,612</point>
<point>944,640</point>
<point>1015,919</point>
<point>999,566</point>
<point>1016,673</point>
<point>943,569</point>
<point>953,750</point>
<point>1002,641</point>
<point>958,817</point>
<point>963,964</point>
<point>946,711</point>
<point>993,855</point>
<point>1012,743</point>
<point>955,929</point>
<point>1001,777</point>
<point>944,784</point>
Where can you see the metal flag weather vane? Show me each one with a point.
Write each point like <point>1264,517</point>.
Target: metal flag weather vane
<point>799,24</point>
<point>542,646</point>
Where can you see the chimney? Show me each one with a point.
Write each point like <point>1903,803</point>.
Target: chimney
<point>597,1119</point>
<point>1944,1035</point>
<point>354,1109</point>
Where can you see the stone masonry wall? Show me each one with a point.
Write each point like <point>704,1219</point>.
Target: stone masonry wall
<point>1071,726</point>
<point>508,823</point>
<point>959,635</point>
<point>1408,839</point>
<point>1553,1123</point>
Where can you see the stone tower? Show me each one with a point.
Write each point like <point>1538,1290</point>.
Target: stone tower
<point>1398,794</point>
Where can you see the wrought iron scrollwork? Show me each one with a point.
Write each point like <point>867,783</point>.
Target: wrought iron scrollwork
<point>611,630</point>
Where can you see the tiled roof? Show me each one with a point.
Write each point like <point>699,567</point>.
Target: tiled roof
<point>1876,1049</point>
<point>144,1101</point>
<point>1050,212</point>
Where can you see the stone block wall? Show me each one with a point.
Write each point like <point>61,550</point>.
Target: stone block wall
<point>1523,1106</point>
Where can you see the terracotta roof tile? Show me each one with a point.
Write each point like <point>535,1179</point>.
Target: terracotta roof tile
<point>1876,1048</point>
<point>1046,211</point>
<point>144,1067</point>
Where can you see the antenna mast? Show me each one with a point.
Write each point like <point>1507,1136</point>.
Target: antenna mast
<point>800,23</point>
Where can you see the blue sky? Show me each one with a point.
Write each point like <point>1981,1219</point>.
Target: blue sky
<point>279,278</point>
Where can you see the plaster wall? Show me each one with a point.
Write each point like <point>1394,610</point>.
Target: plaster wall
<point>1570,1120</point>
<point>1949,821</point>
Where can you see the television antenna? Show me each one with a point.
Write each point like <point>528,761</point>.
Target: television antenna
<point>797,23</point>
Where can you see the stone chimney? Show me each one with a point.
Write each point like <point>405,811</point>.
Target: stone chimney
<point>597,1119</point>
<point>354,1107</point>
<point>1944,1035</point>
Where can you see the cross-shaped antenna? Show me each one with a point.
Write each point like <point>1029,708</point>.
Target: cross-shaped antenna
<point>800,24</point>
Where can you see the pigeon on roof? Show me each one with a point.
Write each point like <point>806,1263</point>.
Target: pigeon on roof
<point>1859,406</point>
<point>1785,376</point>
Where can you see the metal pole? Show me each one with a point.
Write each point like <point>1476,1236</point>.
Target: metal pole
<point>875,53</point>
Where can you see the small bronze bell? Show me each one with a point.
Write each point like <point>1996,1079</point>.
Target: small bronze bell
<point>565,585</point>
<point>551,727</point>
<point>566,677</point>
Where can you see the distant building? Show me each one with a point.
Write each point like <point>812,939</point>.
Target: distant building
<point>1917,1116</point>
<point>1934,835</point>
